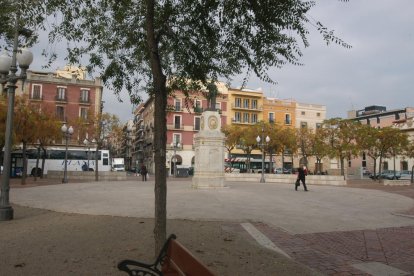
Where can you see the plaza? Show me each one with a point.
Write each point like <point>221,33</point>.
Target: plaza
<point>330,230</point>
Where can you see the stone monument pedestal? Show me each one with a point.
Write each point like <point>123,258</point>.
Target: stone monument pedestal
<point>209,153</point>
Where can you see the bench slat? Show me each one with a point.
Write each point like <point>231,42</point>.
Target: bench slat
<point>182,262</point>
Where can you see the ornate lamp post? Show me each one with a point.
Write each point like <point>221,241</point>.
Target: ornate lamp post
<point>8,69</point>
<point>262,142</point>
<point>86,142</point>
<point>175,146</point>
<point>67,132</point>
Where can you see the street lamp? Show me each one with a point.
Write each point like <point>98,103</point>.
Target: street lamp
<point>262,142</point>
<point>8,69</point>
<point>86,142</point>
<point>175,145</point>
<point>67,132</point>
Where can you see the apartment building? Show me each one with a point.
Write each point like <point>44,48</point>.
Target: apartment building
<point>282,112</point>
<point>310,115</point>
<point>65,94</point>
<point>246,106</point>
<point>237,106</point>
<point>378,116</point>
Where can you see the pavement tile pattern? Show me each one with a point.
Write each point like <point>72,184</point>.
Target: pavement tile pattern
<point>334,253</point>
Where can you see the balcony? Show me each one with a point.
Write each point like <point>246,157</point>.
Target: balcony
<point>36,98</point>
<point>61,99</point>
<point>234,106</point>
<point>175,127</point>
<point>198,109</point>
<point>84,101</point>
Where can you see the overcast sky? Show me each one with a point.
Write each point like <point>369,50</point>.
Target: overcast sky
<point>377,70</point>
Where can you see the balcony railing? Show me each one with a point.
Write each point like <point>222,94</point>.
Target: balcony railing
<point>198,109</point>
<point>61,99</point>
<point>256,108</point>
<point>84,101</point>
<point>36,97</point>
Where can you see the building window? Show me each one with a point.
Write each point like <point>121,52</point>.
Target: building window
<point>178,105</point>
<point>302,113</point>
<point>318,114</point>
<point>218,106</point>
<point>246,103</point>
<point>176,138</point>
<point>198,103</point>
<point>246,117</point>
<point>237,117</point>
<point>287,119</point>
<point>36,91</point>
<point>177,122</point>
<point>385,165</point>
<point>237,102</point>
<point>83,113</point>
<point>197,123</point>
<point>397,116</point>
<point>254,118</point>
<point>60,113</point>
<point>303,124</point>
<point>404,165</point>
<point>254,104</point>
<point>84,96</point>
<point>61,94</point>
<point>271,117</point>
<point>318,125</point>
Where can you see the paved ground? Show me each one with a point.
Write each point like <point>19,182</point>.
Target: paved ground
<point>364,228</point>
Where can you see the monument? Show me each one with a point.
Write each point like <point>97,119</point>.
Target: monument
<point>209,149</point>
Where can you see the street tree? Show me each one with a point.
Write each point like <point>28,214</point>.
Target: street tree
<point>288,142</point>
<point>368,142</point>
<point>47,133</point>
<point>233,135</point>
<point>25,124</point>
<point>341,139</point>
<point>140,45</point>
<point>318,148</point>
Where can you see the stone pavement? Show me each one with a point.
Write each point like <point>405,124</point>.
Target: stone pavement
<point>333,230</point>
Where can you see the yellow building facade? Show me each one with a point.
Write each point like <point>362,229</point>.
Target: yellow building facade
<point>245,106</point>
<point>282,112</point>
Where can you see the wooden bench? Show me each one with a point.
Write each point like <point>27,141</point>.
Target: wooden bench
<point>174,259</point>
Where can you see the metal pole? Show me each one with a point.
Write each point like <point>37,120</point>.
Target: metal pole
<point>6,211</point>
<point>89,149</point>
<point>262,179</point>
<point>175,160</point>
<point>65,176</point>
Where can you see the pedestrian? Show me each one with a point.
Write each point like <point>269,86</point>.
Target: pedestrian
<point>144,173</point>
<point>302,172</point>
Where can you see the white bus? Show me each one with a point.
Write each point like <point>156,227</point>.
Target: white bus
<point>55,160</point>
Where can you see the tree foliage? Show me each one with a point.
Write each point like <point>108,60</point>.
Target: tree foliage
<point>141,44</point>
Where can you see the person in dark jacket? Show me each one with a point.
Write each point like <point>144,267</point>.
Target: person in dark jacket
<point>302,172</point>
<point>144,173</point>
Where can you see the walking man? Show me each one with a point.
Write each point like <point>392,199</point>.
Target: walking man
<point>302,172</point>
<point>144,173</point>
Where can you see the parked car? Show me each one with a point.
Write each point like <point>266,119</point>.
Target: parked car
<point>387,174</point>
<point>405,174</point>
<point>365,171</point>
<point>283,170</point>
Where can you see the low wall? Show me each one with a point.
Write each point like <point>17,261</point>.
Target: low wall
<point>387,182</point>
<point>86,176</point>
<point>286,178</point>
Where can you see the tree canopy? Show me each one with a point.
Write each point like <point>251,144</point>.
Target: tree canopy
<point>140,44</point>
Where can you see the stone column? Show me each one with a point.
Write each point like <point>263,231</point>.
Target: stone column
<point>209,152</point>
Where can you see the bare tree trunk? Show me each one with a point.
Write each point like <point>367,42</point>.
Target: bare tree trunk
<point>43,162</point>
<point>342,166</point>
<point>24,171</point>
<point>160,130</point>
<point>37,163</point>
